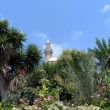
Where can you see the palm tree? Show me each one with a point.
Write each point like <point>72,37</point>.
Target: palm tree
<point>14,56</point>
<point>78,68</point>
<point>102,57</point>
<point>33,56</point>
<point>10,40</point>
<point>102,54</point>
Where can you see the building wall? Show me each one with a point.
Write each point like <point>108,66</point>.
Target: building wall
<point>48,56</point>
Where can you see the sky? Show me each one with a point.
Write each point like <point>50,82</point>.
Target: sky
<point>66,23</point>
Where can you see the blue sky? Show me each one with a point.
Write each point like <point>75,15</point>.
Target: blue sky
<point>67,23</point>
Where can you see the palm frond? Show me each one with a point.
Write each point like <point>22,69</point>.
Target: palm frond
<point>109,44</point>
<point>33,56</point>
<point>99,44</point>
<point>16,37</point>
<point>79,71</point>
<point>104,44</point>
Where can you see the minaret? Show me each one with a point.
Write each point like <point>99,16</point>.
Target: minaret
<point>48,50</point>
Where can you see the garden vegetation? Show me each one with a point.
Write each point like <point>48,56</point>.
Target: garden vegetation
<point>78,80</point>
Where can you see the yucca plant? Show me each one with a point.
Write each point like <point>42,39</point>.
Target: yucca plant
<point>33,56</point>
<point>8,46</point>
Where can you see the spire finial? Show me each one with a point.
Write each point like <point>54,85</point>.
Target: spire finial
<point>47,40</point>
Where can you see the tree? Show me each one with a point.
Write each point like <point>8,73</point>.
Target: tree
<point>10,40</point>
<point>77,69</point>
<point>26,58</point>
<point>49,69</point>
<point>102,57</point>
<point>14,60</point>
<point>33,56</point>
<point>102,54</point>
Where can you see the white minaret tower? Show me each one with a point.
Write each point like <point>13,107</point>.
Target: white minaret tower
<point>48,50</point>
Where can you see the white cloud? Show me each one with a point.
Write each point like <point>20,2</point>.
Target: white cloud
<point>77,34</point>
<point>106,8</point>
<point>57,50</point>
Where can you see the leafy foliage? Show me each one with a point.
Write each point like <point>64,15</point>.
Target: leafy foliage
<point>33,56</point>
<point>77,78</point>
<point>14,59</point>
<point>10,40</point>
<point>78,69</point>
<point>102,53</point>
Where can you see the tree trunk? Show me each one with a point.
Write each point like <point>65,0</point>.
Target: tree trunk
<point>2,87</point>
